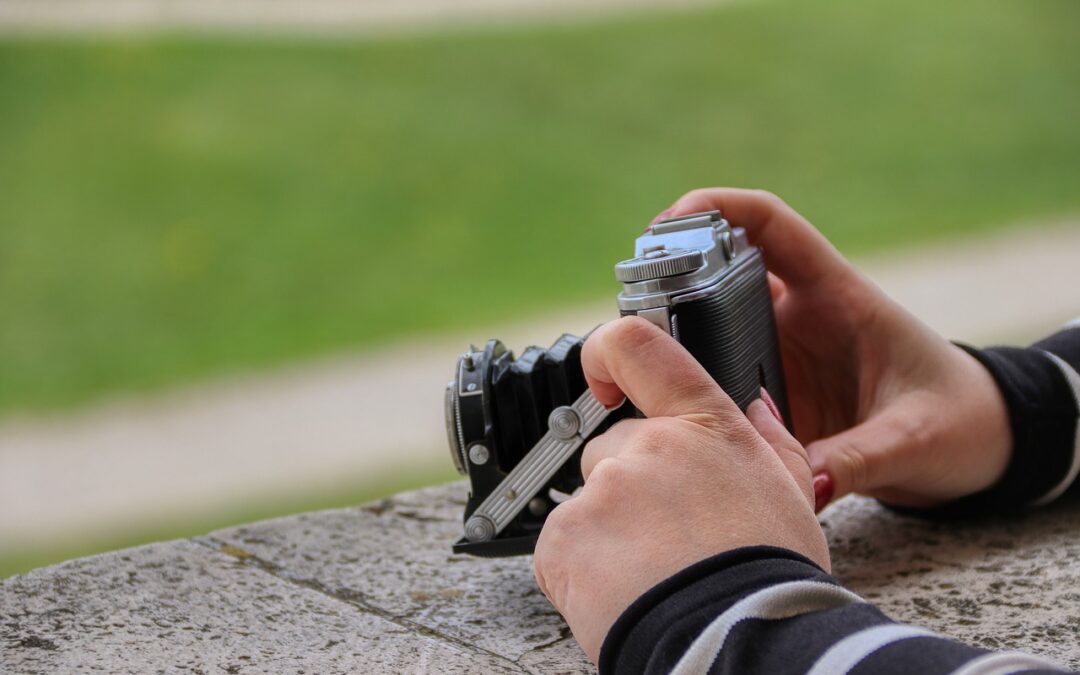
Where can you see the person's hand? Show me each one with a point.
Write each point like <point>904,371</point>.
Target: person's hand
<point>887,407</point>
<point>695,479</point>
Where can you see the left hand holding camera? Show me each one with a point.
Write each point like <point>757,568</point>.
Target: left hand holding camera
<point>885,406</point>
<point>695,479</point>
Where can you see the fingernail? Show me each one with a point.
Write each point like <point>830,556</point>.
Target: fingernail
<point>772,405</point>
<point>662,215</point>
<point>823,490</point>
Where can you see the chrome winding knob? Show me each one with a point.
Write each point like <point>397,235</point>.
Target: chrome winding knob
<point>661,262</point>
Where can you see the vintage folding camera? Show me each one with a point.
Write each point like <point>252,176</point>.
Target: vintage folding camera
<point>517,427</point>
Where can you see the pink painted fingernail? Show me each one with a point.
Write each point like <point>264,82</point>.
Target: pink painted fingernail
<point>823,490</point>
<point>771,405</point>
<point>662,215</point>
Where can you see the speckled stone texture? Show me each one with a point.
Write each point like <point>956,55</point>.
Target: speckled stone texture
<point>376,589</point>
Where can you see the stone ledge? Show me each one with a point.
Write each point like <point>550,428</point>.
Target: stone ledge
<point>376,589</point>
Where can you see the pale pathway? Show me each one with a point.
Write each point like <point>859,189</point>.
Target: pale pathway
<point>230,442</point>
<point>363,17</point>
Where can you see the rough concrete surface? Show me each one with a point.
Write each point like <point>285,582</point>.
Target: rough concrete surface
<point>376,589</point>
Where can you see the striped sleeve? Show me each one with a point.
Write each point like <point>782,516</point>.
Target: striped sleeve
<point>768,610</point>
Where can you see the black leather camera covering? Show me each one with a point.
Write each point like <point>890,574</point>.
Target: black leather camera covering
<point>731,331</point>
<point>518,395</point>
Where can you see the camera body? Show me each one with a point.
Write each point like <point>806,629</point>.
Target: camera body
<point>517,427</point>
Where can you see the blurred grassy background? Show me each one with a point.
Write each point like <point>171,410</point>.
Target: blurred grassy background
<point>174,207</point>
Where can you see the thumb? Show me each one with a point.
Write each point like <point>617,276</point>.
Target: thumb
<point>862,459</point>
<point>632,357</point>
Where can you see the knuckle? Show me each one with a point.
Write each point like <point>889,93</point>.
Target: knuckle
<point>727,421</point>
<point>541,558</point>
<point>697,195</point>
<point>855,465</point>
<point>555,521</point>
<point>607,477</point>
<point>770,198</point>
<point>607,490</point>
<point>546,543</point>
<point>920,427</point>
<point>730,420</point>
<point>549,565</point>
<point>790,445</point>
<point>554,538</point>
<point>563,521</point>
<point>589,453</point>
<point>921,432</point>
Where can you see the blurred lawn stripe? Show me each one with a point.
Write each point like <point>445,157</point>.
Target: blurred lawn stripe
<point>173,207</point>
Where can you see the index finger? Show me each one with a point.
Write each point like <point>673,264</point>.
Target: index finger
<point>632,357</point>
<point>794,249</point>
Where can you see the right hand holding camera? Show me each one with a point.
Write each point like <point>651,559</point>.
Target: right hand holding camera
<point>885,406</point>
<point>653,487</point>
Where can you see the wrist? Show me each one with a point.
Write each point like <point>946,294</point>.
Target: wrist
<point>1041,414</point>
<point>984,427</point>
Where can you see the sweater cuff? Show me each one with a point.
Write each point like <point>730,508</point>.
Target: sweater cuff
<point>769,610</point>
<point>1043,413</point>
<point>659,627</point>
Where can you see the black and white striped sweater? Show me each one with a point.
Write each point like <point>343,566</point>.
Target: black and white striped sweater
<point>769,610</point>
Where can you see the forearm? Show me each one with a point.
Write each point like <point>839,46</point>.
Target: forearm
<point>769,610</point>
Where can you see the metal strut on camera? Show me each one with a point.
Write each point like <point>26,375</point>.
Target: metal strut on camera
<point>568,428</point>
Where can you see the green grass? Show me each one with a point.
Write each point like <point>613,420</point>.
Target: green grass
<point>173,206</point>
<point>17,560</point>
